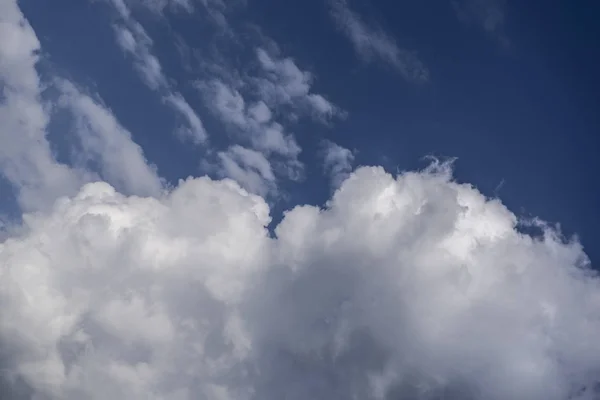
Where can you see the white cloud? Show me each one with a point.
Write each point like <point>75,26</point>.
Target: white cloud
<point>26,159</point>
<point>488,14</point>
<point>139,47</point>
<point>372,42</point>
<point>286,83</point>
<point>249,168</point>
<point>193,129</point>
<point>225,101</point>
<point>260,112</point>
<point>280,90</point>
<point>337,162</point>
<point>413,287</point>
<point>251,124</point>
<point>253,120</point>
<point>104,141</point>
<point>133,40</point>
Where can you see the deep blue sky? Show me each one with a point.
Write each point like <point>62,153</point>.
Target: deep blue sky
<point>522,118</point>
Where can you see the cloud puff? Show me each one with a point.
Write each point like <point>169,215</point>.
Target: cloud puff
<point>253,121</point>
<point>401,287</point>
<point>337,162</point>
<point>249,168</point>
<point>372,42</point>
<point>285,83</point>
<point>251,124</point>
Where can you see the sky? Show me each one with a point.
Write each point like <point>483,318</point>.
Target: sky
<point>324,199</point>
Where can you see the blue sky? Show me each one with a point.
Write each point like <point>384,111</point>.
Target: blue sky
<point>113,112</point>
<point>510,89</point>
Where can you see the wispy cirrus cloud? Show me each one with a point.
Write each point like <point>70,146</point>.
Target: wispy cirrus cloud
<point>134,41</point>
<point>371,42</point>
<point>284,83</point>
<point>255,102</point>
<point>104,142</point>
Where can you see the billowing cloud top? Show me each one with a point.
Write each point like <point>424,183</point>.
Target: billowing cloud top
<point>409,286</point>
<point>117,284</point>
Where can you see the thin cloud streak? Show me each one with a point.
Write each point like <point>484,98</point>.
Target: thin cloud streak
<point>371,43</point>
<point>134,41</point>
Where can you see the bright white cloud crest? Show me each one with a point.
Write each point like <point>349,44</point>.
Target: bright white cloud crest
<point>412,287</point>
<point>409,285</point>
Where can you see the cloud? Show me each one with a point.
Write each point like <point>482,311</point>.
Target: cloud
<point>253,125</point>
<point>249,168</point>
<point>413,286</point>
<point>26,159</point>
<point>256,101</point>
<point>107,144</point>
<point>280,92</point>
<point>488,14</point>
<point>409,286</point>
<point>253,120</point>
<point>371,42</point>
<point>134,41</point>
<point>337,162</point>
<point>138,46</point>
<point>285,83</point>
<point>193,128</point>
<point>225,101</point>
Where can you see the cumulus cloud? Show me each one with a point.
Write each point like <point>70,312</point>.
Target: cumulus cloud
<point>408,286</point>
<point>337,162</point>
<point>371,42</point>
<point>411,286</point>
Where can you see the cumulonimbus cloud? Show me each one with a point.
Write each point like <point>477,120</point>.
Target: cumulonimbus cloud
<point>401,287</point>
